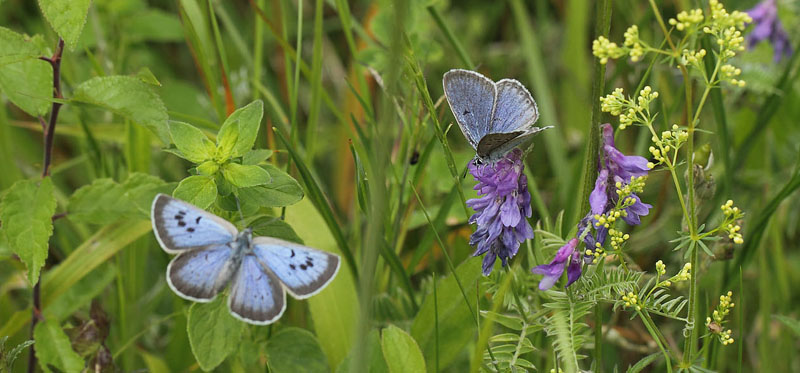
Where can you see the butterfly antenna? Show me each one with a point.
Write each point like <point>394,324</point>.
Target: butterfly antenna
<point>239,207</point>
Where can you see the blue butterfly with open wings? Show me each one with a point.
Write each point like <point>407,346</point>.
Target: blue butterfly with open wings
<point>212,253</point>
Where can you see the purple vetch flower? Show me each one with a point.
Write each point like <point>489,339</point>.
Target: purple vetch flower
<point>768,27</point>
<point>552,272</point>
<point>501,210</point>
<point>617,167</point>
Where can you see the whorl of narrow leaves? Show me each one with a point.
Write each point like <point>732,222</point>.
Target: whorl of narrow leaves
<point>53,348</point>
<point>508,348</point>
<point>67,17</point>
<point>26,213</point>
<point>213,332</point>
<point>607,284</point>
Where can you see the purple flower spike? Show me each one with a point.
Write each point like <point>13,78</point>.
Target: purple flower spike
<point>768,27</point>
<point>617,167</point>
<point>553,271</point>
<point>502,210</point>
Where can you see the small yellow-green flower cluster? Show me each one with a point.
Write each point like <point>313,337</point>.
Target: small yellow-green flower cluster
<point>604,49</point>
<point>671,140</point>
<point>723,19</point>
<point>605,220</point>
<point>729,224</point>
<point>635,46</point>
<point>717,320</point>
<point>635,185</point>
<point>684,275</point>
<point>729,73</point>
<point>631,300</point>
<point>597,254</point>
<point>686,19</point>
<point>629,111</point>
<point>617,238</point>
<point>661,269</point>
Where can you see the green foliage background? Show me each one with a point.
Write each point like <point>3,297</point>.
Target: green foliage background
<point>326,120</point>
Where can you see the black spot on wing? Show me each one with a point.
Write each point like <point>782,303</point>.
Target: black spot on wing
<point>292,254</point>
<point>292,266</point>
<point>197,221</point>
<point>303,267</point>
<point>181,223</point>
<point>190,229</point>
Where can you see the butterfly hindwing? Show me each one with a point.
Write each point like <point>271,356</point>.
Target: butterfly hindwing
<point>180,226</point>
<point>302,270</point>
<point>256,295</point>
<point>515,109</point>
<point>200,274</point>
<point>471,97</point>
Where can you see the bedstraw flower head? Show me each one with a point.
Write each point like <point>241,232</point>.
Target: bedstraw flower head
<point>502,210</point>
<point>716,322</point>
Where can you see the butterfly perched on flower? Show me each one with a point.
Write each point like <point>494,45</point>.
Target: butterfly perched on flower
<point>212,253</point>
<point>495,117</point>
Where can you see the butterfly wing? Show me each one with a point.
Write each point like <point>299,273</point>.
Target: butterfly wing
<point>495,146</point>
<point>302,270</point>
<point>471,97</point>
<point>257,296</point>
<point>515,109</point>
<point>181,226</point>
<point>200,274</point>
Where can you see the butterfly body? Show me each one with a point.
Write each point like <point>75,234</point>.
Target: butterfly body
<point>213,254</point>
<point>495,117</point>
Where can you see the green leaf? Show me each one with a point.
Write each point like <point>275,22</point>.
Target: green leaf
<point>12,355</point>
<point>273,226</point>
<point>213,332</point>
<point>128,96</point>
<point>191,142</point>
<point>282,190</point>
<point>245,176</point>
<point>295,350</point>
<point>104,200</point>
<point>81,293</point>
<point>332,309</point>
<point>198,190</point>
<point>238,134</point>
<point>53,348</point>
<point>456,325</point>
<point>16,47</point>
<point>401,352</point>
<point>29,85</point>
<point>256,156</point>
<point>374,357</point>
<point>67,17</point>
<point>26,212</point>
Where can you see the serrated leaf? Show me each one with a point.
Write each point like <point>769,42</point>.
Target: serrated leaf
<point>104,200</point>
<point>16,47</point>
<point>272,226</point>
<point>401,351</point>
<point>295,350</point>
<point>282,190</point>
<point>238,134</point>
<point>147,76</point>
<point>67,17</point>
<point>53,348</point>
<point>242,176</point>
<point>213,332</point>
<point>198,190</point>
<point>26,214</point>
<point>256,156</point>
<point>130,97</point>
<point>191,142</point>
<point>28,84</point>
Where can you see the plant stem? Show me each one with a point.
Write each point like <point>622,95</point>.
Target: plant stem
<point>49,137</point>
<point>648,323</point>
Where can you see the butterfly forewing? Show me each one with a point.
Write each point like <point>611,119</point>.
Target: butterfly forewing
<point>180,226</point>
<point>471,97</point>
<point>256,294</point>
<point>515,109</point>
<point>302,270</point>
<point>200,274</point>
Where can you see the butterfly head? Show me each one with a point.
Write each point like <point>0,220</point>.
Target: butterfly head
<point>245,237</point>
